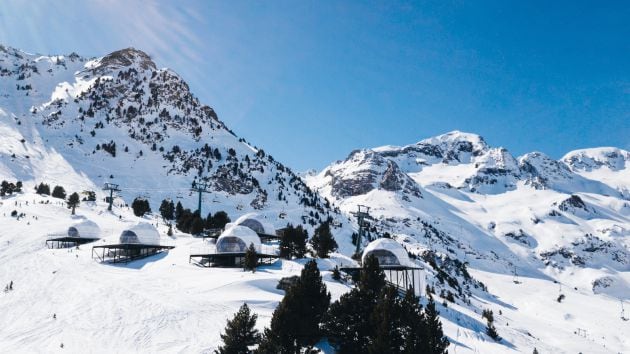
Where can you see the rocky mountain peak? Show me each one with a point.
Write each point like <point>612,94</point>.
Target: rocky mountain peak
<point>590,159</point>
<point>366,170</point>
<point>127,58</point>
<point>458,146</point>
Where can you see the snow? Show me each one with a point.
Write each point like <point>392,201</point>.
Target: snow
<point>157,304</point>
<point>513,236</point>
<point>458,199</point>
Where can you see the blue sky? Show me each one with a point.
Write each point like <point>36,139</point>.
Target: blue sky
<point>309,81</point>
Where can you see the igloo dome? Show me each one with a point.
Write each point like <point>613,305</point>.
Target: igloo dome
<point>237,238</point>
<point>387,251</point>
<point>84,229</point>
<point>141,233</point>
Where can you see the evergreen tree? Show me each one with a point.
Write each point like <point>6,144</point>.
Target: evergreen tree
<point>414,329</point>
<point>348,323</point>
<point>73,201</point>
<point>386,320</point>
<point>220,219</point>
<point>336,275</point>
<point>491,331</point>
<point>179,210</point>
<point>293,242</point>
<point>295,322</point>
<point>240,333</point>
<point>372,279</point>
<point>286,243</point>
<point>59,192</point>
<point>196,227</point>
<point>299,242</point>
<point>436,341</point>
<point>251,258</point>
<point>167,209</point>
<point>323,241</point>
<point>42,189</point>
<point>140,206</point>
<point>535,351</point>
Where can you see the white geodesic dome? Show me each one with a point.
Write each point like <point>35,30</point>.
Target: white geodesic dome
<point>237,239</point>
<point>141,233</point>
<point>387,251</point>
<point>255,222</point>
<point>85,229</point>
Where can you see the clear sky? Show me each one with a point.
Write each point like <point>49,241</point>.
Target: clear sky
<point>309,81</point>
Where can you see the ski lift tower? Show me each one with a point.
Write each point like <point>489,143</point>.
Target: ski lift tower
<point>111,187</point>
<point>199,187</point>
<point>362,215</point>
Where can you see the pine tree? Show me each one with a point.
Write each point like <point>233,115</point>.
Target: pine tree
<point>240,333</point>
<point>218,220</point>
<point>323,241</point>
<point>73,201</point>
<point>372,279</point>
<point>167,209</point>
<point>59,192</point>
<point>293,242</point>
<point>336,275</point>
<point>251,258</point>
<point>414,325</point>
<point>140,206</point>
<point>196,227</point>
<point>348,324</point>
<point>42,189</point>
<point>299,242</point>
<point>179,210</point>
<point>386,319</point>
<point>286,242</point>
<point>436,341</point>
<point>535,351</point>
<point>295,322</point>
<point>491,331</point>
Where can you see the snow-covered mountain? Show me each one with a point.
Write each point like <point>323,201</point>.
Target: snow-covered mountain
<point>80,122</point>
<point>521,218</point>
<point>492,231</point>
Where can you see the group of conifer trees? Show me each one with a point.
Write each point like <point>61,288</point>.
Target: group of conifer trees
<point>191,222</point>
<point>371,318</point>
<point>8,188</point>
<point>59,192</point>
<point>294,240</point>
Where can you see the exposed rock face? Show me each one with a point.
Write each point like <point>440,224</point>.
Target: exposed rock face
<point>572,203</point>
<point>542,172</point>
<point>366,170</point>
<point>592,159</point>
<point>127,57</point>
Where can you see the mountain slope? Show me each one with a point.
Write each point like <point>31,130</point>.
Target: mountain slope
<point>513,221</point>
<point>81,122</point>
